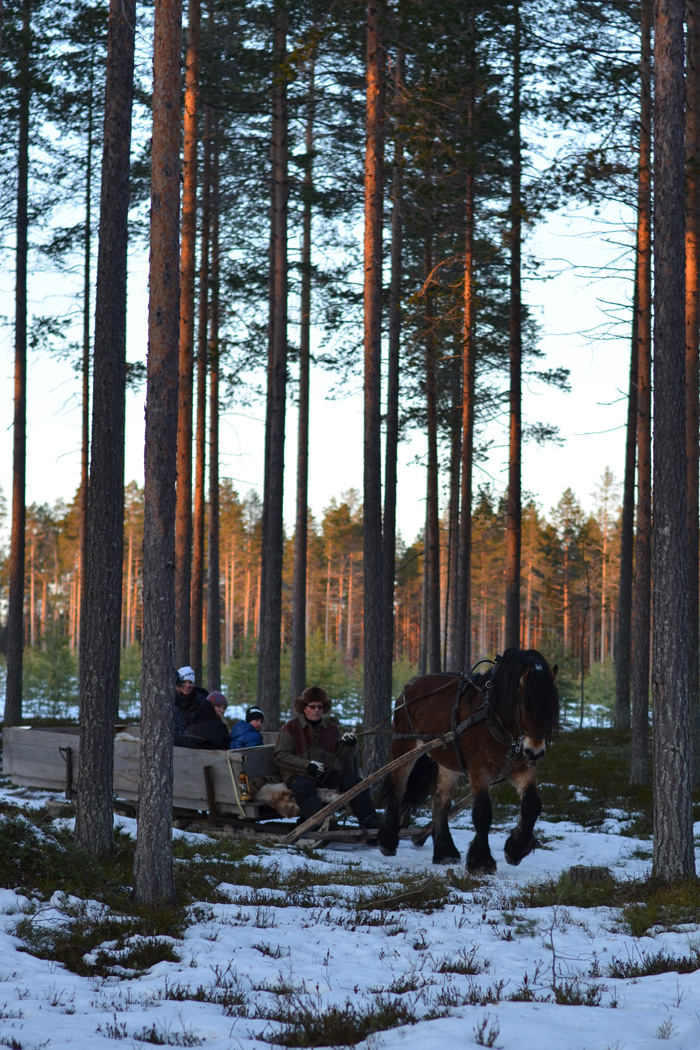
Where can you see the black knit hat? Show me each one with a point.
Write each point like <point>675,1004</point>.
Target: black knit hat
<point>254,713</point>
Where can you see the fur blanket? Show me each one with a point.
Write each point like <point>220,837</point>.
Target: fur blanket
<point>279,797</point>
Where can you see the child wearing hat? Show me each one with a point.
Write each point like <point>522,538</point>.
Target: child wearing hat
<point>247,733</point>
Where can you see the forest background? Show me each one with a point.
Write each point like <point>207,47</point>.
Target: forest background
<point>573,144</point>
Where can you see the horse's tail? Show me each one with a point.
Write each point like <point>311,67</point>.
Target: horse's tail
<point>421,784</point>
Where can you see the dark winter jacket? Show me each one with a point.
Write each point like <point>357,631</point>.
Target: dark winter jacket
<point>298,742</point>
<point>204,726</point>
<point>244,734</point>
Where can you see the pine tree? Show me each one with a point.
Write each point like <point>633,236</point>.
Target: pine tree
<point>153,861</point>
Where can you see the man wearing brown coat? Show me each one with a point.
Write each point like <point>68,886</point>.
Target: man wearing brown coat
<point>313,752</point>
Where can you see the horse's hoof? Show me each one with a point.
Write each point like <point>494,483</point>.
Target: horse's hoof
<point>514,856</point>
<point>483,869</point>
<point>451,858</point>
<point>387,851</point>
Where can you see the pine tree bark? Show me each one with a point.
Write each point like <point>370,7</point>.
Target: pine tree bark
<point>213,568</point>
<point>393,389</point>
<point>15,607</point>
<point>375,692</point>
<point>85,405</point>
<point>197,586</point>
<point>298,662</point>
<point>99,658</point>
<point>623,646</point>
<point>462,627</point>
<point>673,822</point>
<point>432,505</point>
<point>452,573</point>
<point>692,330</point>
<point>153,862</point>
<point>269,639</point>
<point>641,613</point>
<point>514,510</point>
<point>183,519</point>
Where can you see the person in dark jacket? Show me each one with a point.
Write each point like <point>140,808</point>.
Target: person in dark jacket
<point>204,724</point>
<point>313,752</point>
<point>247,733</point>
<point>184,686</point>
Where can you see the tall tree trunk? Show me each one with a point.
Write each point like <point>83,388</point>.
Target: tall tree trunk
<point>15,607</point>
<point>432,505</point>
<point>85,408</point>
<point>375,704</point>
<point>213,574</point>
<point>153,861</point>
<point>269,641</point>
<point>623,649</point>
<point>462,627</point>
<point>99,658</point>
<point>673,821</point>
<point>425,588</point>
<point>452,572</point>
<point>298,665</point>
<point>692,328</point>
<point>183,519</point>
<point>641,618</point>
<point>197,597</point>
<point>392,404</point>
<point>514,510</point>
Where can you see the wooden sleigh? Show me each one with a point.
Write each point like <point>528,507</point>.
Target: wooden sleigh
<point>206,784</point>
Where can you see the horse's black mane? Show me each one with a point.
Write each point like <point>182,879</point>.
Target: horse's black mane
<point>539,698</point>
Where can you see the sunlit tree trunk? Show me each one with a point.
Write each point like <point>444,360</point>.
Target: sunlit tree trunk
<point>432,505</point>
<point>673,820</point>
<point>692,327</point>
<point>461,645</point>
<point>15,607</point>
<point>375,693</point>
<point>183,519</point>
<point>153,861</point>
<point>452,560</point>
<point>213,571</point>
<point>199,514</point>
<point>641,611</point>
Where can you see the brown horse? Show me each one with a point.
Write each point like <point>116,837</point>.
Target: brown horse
<point>502,721</point>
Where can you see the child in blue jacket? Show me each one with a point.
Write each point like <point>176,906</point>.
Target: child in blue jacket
<point>247,733</point>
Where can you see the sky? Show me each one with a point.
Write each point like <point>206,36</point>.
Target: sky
<point>575,297</point>
<point>328,957</point>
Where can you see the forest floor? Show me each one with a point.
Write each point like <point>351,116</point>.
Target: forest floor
<point>287,945</point>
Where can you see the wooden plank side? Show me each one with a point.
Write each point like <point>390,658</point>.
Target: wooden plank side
<point>32,756</point>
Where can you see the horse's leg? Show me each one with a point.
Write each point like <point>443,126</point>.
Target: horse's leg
<point>388,834</point>
<point>521,841</point>
<point>479,857</point>
<point>444,849</point>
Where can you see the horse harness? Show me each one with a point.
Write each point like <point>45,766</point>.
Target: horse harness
<point>484,712</point>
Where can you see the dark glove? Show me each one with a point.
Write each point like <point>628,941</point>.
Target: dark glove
<point>349,739</point>
<point>315,770</point>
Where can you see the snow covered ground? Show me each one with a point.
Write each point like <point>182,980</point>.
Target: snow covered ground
<point>315,958</point>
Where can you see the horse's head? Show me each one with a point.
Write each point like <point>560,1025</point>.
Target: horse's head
<point>527,695</point>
